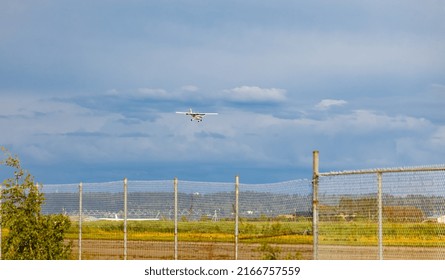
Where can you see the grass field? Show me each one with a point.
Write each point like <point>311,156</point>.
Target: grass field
<point>394,234</point>
<point>258,239</point>
<point>289,232</point>
<point>222,231</point>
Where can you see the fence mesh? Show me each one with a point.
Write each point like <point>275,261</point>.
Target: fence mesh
<point>103,204</point>
<point>206,220</point>
<point>274,221</point>
<point>150,220</point>
<point>347,217</point>
<point>412,223</point>
<point>414,215</point>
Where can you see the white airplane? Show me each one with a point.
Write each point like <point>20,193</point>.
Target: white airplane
<point>195,115</point>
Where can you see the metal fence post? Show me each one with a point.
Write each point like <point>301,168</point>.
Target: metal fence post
<point>80,221</point>
<point>380,214</point>
<point>125,217</point>
<point>175,190</point>
<point>315,178</point>
<point>236,215</point>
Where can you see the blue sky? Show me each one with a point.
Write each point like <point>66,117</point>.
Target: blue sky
<point>89,89</point>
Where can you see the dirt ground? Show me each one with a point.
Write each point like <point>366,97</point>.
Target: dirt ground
<point>389,253</point>
<point>143,250</point>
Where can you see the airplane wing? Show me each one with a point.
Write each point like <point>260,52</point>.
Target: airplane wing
<point>195,113</point>
<point>208,114</point>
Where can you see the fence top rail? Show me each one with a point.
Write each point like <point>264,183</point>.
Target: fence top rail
<point>385,170</point>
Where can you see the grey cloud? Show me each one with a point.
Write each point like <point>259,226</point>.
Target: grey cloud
<point>253,94</point>
<point>94,134</point>
<point>204,134</point>
<point>325,104</point>
<point>135,135</point>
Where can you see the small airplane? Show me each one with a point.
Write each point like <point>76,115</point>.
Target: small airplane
<point>195,115</point>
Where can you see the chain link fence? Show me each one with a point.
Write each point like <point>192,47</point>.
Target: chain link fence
<point>206,220</point>
<point>364,214</point>
<point>275,220</point>
<point>175,219</point>
<point>396,213</point>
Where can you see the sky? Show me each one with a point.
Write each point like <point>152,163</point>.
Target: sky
<point>89,89</point>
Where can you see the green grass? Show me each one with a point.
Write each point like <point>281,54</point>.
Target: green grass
<point>222,231</point>
<point>338,233</point>
<point>394,234</point>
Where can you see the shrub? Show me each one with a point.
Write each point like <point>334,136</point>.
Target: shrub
<point>31,235</point>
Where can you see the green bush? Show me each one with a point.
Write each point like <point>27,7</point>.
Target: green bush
<point>269,252</point>
<point>31,235</point>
